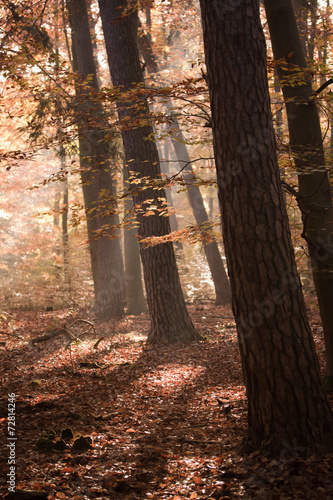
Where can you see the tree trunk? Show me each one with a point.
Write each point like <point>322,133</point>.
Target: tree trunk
<point>98,186</point>
<point>287,403</point>
<point>56,205</point>
<point>166,170</point>
<point>135,299</point>
<point>278,113</point>
<point>213,256</point>
<point>313,16</point>
<point>279,122</point>
<point>170,321</point>
<point>301,10</point>
<point>314,184</point>
<point>65,242</point>
<point>92,28</point>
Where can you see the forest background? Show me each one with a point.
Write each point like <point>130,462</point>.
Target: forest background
<point>37,124</point>
<point>35,131</point>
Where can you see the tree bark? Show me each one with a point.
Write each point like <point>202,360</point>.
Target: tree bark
<point>99,189</point>
<point>314,184</point>
<point>170,321</point>
<point>287,404</point>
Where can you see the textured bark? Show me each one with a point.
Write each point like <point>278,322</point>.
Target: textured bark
<point>99,189</point>
<point>135,299</point>
<point>170,321</point>
<point>287,403</point>
<point>314,184</point>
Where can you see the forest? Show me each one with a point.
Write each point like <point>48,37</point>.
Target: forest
<point>166,256</point>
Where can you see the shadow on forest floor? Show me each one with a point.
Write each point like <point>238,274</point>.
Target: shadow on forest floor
<point>166,422</point>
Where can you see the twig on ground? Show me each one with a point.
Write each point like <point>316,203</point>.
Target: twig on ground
<point>66,330</point>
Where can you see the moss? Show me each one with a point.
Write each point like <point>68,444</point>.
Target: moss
<point>44,444</point>
<point>59,445</point>
<point>51,434</point>
<point>66,434</point>
<point>82,444</point>
<point>47,442</point>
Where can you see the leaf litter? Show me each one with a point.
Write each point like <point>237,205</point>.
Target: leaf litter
<point>161,423</point>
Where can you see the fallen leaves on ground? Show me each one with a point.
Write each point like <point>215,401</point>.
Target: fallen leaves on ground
<point>160,423</point>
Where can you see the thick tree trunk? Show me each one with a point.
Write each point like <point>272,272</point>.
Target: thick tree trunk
<point>170,321</point>
<point>287,404</point>
<point>135,299</point>
<point>98,187</point>
<point>314,184</point>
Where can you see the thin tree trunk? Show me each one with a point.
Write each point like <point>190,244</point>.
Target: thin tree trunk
<point>278,114</point>
<point>313,17</point>
<point>62,189</point>
<point>170,321</point>
<point>287,405</point>
<point>166,170</point>
<point>98,186</point>
<point>213,256</point>
<point>301,9</point>
<point>92,25</point>
<point>56,204</point>
<point>148,20</point>
<point>279,122</point>
<point>65,240</point>
<point>314,185</point>
<point>135,299</point>
<point>322,52</point>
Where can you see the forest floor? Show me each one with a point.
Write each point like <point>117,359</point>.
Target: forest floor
<point>165,422</point>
